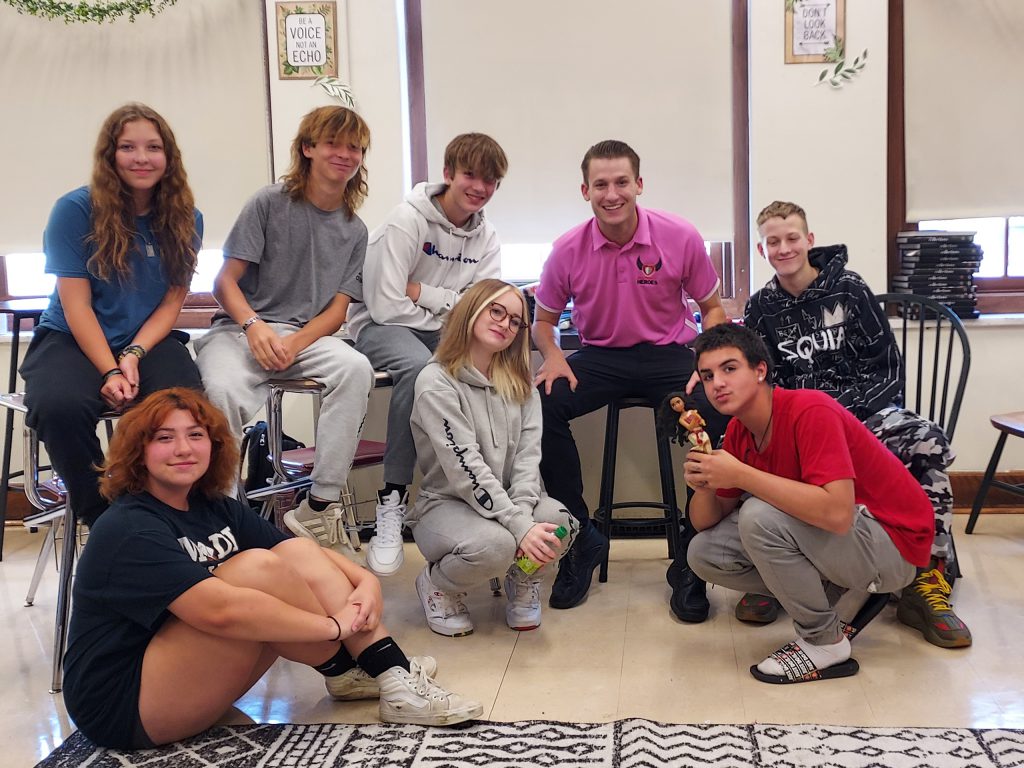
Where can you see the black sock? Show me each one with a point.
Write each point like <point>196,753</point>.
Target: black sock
<point>389,487</point>
<point>317,505</point>
<point>382,656</point>
<point>338,664</point>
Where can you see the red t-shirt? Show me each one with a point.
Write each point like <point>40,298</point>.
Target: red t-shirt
<point>816,441</point>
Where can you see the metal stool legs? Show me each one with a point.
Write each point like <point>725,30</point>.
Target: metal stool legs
<point>67,569</point>
<point>41,560</point>
<point>285,477</point>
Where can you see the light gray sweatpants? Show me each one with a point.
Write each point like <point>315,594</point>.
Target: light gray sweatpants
<point>236,384</point>
<point>465,549</point>
<point>402,352</point>
<point>761,549</point>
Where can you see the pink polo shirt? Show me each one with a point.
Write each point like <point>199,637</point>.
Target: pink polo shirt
<point>623,296</point>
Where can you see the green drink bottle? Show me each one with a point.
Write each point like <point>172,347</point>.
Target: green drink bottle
<point>528,566</point>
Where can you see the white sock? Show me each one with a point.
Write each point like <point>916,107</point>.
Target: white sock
<point>822,656</point>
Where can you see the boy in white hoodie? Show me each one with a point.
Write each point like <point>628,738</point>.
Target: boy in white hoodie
<point>431,248</point>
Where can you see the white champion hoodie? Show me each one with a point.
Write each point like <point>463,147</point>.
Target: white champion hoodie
<point>418,244</point>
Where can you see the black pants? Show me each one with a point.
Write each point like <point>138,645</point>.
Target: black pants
<point>606,374</point>
<point>62,392</point>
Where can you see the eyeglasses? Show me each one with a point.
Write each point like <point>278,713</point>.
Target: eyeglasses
<point>498,313</point>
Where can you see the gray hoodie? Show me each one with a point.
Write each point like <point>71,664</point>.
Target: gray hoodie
<point>417,243</point>
<point>476,447</point>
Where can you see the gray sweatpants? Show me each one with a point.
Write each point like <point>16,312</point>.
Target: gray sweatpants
<point>465,549</point>
<point>761,549</point>
<point>236,384</point>
<point>402,352</point>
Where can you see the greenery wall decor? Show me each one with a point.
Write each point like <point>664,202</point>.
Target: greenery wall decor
<point>99,11</point>
<point>838,75</point>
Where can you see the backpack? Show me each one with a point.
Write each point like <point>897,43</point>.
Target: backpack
<point>259,471</point>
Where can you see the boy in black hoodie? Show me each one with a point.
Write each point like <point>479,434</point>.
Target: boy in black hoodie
<point>826,331</point>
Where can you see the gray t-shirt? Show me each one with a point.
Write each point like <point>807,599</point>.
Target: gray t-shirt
<point>299,257</point>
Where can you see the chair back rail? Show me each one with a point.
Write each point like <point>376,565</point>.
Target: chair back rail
<point>935,375</point>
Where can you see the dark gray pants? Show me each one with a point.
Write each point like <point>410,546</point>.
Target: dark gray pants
<point>402,352</point>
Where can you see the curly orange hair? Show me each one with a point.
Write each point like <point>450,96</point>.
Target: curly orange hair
<point>124,471</point>
<point>113,209</point>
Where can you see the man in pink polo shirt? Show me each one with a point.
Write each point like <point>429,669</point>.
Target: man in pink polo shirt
<point>629,273</point>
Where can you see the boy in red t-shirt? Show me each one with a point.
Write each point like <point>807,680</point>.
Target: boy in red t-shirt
<point>801,494</point>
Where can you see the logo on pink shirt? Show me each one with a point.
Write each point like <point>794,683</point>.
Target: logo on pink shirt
<point>647,270</point>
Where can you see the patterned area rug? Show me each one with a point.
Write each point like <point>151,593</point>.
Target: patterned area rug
<point>623,744</point>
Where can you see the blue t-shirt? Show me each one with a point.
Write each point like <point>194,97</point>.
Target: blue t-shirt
<point>121,307</point>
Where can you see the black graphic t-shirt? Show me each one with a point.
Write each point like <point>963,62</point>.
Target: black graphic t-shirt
<point>140,557</point>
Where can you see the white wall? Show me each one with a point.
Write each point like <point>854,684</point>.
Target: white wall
<point>199,64</point>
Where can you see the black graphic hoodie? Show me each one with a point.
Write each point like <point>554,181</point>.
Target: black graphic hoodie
<point>833,337</point>
<point>474,446</point>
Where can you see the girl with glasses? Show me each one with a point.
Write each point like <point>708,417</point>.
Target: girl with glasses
<point>476,422</point>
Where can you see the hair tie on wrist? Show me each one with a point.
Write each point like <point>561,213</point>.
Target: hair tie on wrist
<point>112,373</point>
<point>337,636</point>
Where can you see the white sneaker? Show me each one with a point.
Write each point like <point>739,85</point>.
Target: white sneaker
<point>356,684</point>
<point>327,527</point>
<point>385,552</point>
<point>446,613</point>
<point>412,697</point>
<point>522,612</point>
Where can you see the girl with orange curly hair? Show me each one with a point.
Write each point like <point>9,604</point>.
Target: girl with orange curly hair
<point>124,251</point>
<point>184,597</point>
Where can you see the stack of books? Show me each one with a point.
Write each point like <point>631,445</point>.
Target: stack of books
<point>941,266</point>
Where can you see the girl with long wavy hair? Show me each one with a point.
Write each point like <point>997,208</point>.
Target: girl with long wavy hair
<point>476,422</point>
<point>184,597</point>
<point>124,251</point>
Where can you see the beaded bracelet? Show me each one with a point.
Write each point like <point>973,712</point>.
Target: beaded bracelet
<point>132,349</point>
<point>249,323</point>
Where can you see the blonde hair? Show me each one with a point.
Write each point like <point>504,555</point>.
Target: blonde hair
<point>113,210</point>
<point>510,369</point>
<point>329,124</point>
<point>782,210</point>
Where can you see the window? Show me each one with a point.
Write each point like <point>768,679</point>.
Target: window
<point>26,277</point>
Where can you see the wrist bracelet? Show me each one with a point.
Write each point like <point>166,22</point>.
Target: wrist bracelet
<point>337,636</point>
<point>248,323</point>
<point>111,373</point>
<point>132,349</point>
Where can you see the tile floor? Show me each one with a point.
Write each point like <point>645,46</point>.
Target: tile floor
<point>620,654</point>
